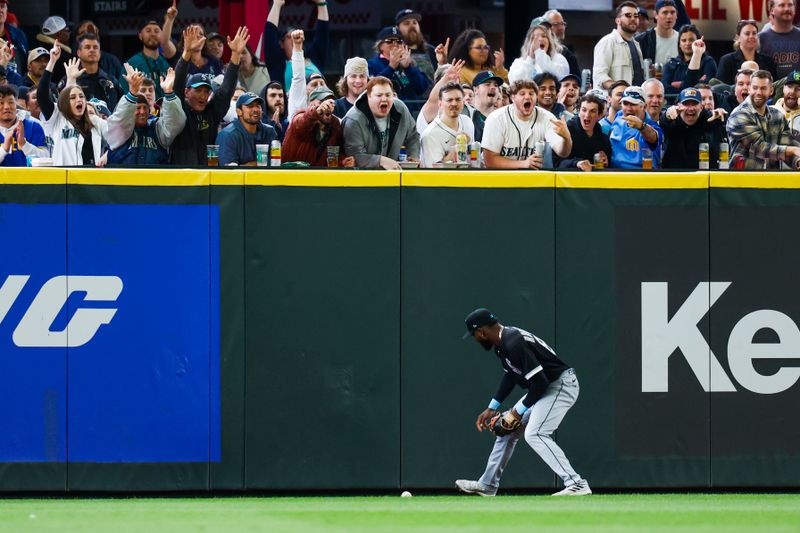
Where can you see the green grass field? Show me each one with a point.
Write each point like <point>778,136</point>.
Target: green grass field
<point>503,514</point>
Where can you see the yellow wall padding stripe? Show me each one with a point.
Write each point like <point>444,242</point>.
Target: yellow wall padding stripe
<point>32,176</point>
<point>785,179</point>
<point>632,180</point>
<point>466,178</point>
<point>504,179</point>
<point>323,178</point>
<point>168,177</point>
<point>226,177</point>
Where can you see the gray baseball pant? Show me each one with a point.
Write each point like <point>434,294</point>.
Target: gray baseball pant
<point>539,423</point>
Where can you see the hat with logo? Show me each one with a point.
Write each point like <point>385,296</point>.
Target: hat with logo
<point>664,3</point>
<point>100,106</point>
<point>793,78</point>
<point>633,95</point>
<point>643,13</point>
<point>356,65</point>
<point>36,53</point>
<point>247,99</point>
<point>389,33</point>
<point>404,14</point>
<point>198,80</point>
<point>690,94</point>
<point>320,93</point>
<point>478,318</point>
<point>486,76</point>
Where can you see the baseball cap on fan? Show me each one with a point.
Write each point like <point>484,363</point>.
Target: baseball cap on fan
<point>633,95</point>
<point>198,80</point>
<point>50,27</point>
<point>690,94</point>
<point>478,318</point>
<point>404,14</point>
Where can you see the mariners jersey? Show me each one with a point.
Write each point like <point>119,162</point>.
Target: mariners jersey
<point>523,356</point>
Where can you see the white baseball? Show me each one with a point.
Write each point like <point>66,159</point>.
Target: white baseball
<point>405,494</point>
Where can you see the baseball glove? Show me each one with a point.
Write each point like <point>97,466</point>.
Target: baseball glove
<point>505,423</point>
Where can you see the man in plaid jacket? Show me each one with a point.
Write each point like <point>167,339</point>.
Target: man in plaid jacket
<point>758,133</point>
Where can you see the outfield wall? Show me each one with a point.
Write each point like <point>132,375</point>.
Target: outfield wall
<point>260,329</point>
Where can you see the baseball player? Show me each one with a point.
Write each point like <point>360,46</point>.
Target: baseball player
<point>552,389</point>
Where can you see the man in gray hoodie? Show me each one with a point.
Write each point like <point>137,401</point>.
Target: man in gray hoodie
<point>378,126</point>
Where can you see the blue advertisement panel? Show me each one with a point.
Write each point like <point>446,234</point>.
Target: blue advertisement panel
<point>137,308</point>
<point>33,393</point>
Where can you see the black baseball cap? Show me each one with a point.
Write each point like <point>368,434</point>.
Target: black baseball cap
<point>247,99</point>
<point>477,318</point>
<point>486,75</point>
<point>404,14</point>
<point>198,80</point>
<point>390,33</point>
<point>570,76</point>
<point>149,22</point>
<point>793,78</point>
<point>664,3</point>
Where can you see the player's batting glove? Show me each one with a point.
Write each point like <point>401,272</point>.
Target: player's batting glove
<point>506,423</point>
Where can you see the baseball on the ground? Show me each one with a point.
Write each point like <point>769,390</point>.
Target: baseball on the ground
<point>405,494</point>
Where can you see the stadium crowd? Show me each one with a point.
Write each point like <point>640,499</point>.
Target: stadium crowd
<point>653,97</point>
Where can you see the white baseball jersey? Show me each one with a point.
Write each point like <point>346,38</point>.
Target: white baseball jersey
<point>511,137</point>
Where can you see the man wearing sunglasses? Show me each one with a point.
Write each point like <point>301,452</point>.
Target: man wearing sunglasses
<point>633,131</point>
<point>394,62</point>
<point>617,56</point>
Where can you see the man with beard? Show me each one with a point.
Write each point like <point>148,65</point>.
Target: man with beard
<point>634,130</point>
<point>617,56</point>
<point>487,93</point>
<point>654,98</point>
<point>274,98</point>
<point>313,130</point>
<point>203,117</point>
<point>685,126</point>
<point>788,105</point>
<point>136,137</point>
<point>237,142</point>
<point>781,42</point>
<point>759,134</point>
<point>588,138</point>
<point>19,139</point>
<point>95,82</point>
<point>569,92</point>
<point>377,127</point>
<point>548,95</point>
<point>614,104</point>
<point>439,138</point>
<point>149,61</point>
<point>511,133</point>
<point>422,54</point>
<point>559,27</point>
